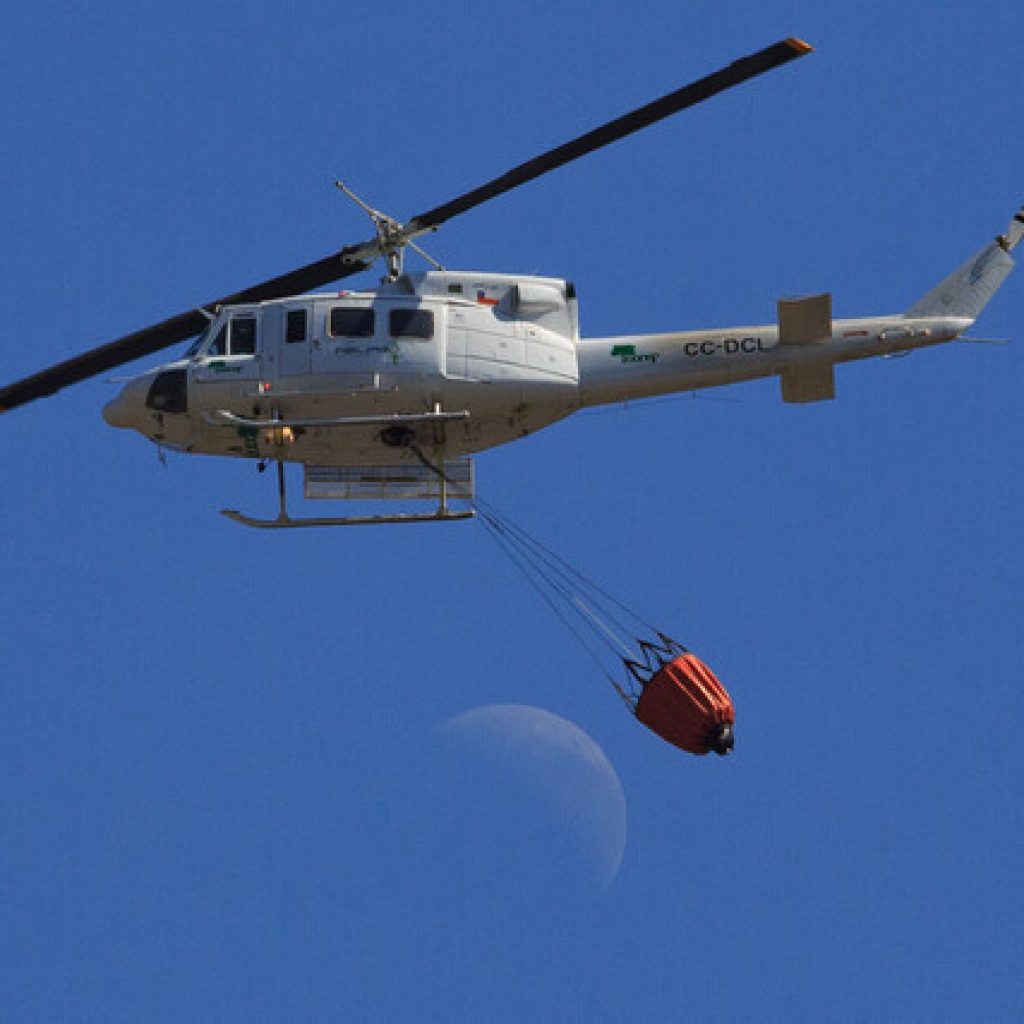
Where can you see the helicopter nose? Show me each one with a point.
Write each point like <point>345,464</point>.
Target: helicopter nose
<point>116,413</point>
<point>126,410</point>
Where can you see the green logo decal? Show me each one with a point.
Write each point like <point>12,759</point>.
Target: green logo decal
<point>629,354</point>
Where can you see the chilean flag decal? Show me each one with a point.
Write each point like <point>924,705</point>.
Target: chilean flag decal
<point>484,299</point>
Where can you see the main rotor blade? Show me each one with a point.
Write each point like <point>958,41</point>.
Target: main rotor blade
<point>688,96</point>
<point>172,331</point>
<point>356,258</point>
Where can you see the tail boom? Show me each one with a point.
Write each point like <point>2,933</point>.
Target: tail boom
<point>627,368</point>
<point>802,348</point>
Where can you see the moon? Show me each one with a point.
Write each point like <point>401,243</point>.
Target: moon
<point>543,791</point>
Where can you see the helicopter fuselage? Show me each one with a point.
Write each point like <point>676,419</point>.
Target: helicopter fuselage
<point>503,349</point>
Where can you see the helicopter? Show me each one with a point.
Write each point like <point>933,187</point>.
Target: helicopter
<point>388,393</point>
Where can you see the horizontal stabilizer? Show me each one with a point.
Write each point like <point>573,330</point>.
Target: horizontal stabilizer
<point>808,383</point>
<point>805,320</point>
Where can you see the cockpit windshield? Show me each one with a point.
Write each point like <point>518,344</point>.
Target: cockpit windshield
<point>193,349</point>
<point>234,336</point>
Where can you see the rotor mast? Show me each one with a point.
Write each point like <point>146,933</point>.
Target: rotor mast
<point>392,238</point>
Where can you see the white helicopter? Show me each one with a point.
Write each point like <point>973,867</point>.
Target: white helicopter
<point>388,393</point>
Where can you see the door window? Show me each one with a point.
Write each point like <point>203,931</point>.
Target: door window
<point>352,322</point>
<point>296,326</point>
<point>412,323</point>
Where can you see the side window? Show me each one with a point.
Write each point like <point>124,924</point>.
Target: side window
<point>296,327</point>
<point>412,323</point>
<point>243,336</point>
<point>352,322</point>
<point>220,343</point>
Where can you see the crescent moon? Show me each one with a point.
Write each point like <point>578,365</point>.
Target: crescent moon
<point>551,758</point>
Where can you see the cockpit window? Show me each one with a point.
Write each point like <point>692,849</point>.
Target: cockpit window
<point>243,336</point>
<point>169,392</point>
<point>236,337</point>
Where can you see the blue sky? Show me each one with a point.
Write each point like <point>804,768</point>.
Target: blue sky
<point>224,795</point>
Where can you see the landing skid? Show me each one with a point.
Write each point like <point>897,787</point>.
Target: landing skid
<point>287,522</point>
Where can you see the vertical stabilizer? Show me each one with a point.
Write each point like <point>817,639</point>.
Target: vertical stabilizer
<point>968,290</point>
